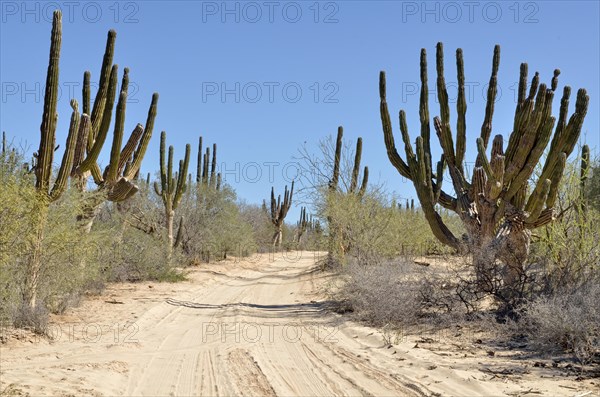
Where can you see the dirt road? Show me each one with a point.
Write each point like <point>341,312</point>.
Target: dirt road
<point>248,328</point>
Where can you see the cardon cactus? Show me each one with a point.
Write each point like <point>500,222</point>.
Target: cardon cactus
<point>496,206</point>
<point>334,182</point>
<point>279,211</point>
<point>205,176</point>
<point>337,241</point>
<point>301,225</point>
<point>45,154</point>
<point>117,182</point>
<point>171,188</point>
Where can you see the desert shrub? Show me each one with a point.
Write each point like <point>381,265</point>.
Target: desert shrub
<point>214,226</point>
<point>593,185</point>
<point>260,223</point>
<point>565,322</point>
<point>395,294</point>
<point>566,253</point>
<point>67,267</point>
<point>371,230</point>
<point>137,256</point>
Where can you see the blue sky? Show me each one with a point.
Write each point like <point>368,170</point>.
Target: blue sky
<point>261,78</point>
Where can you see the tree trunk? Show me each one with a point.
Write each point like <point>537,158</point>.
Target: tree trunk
<point>91,208</point>
<point>170,214</point>
<point>34,265</point>
<point>277,237</point>
<point>33,270</point>
<point>498,262</point>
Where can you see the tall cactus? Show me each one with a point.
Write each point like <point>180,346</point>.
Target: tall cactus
<point>204,176</point>
<point>301,225</point>
<point>44,158</point>
<point>495,207</point>
<point>334,182</point>
<point>171,187</point>
<point>337,241</point>
<point>117,182</point>
<point>45,154</point>
<point>279,211</point>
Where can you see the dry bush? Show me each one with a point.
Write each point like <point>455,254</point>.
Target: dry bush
<point>396,294</point>
<point>566,322</point>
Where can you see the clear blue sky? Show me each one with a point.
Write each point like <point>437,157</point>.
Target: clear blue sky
<point>331,51</point>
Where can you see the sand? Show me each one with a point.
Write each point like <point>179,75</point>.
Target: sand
<point>253,327</point>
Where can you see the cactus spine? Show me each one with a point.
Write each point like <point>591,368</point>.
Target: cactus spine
<point>494,205</point>
<point>279,211</point>
<point>171,187</point>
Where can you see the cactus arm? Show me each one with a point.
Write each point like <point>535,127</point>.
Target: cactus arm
<point>181,185</point>
<point>556,177</point>
<point>424,104</point>
<point>102,132</point>
<point>199,163</point>
<point>483,160</point>
<point>205,169</point>
<point>569,136</point>
<point>213,167</point>
<point>461,109</point>
<point>157,189</point>
<point>356,168</point>
<point>122,190</point>
<point>388,134</point>
<point>163,169</point>
<point>446,137</point>
<point>115,153</point>
<point>486,127</point>
<point>125,159</point>
<point>365,182</point>
<point>101,100</point>
<point>538,199</point>
<point>140,152</point>
<point>82,138</point>
<point>85,93</point>
<point>67,161</point>
<point>336,160</point>
<point>45,154</point>
<point>179,235</point>
<point>437,188</point>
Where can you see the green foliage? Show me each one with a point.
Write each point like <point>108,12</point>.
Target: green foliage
<point>569,250</point>
<point>214,226</point>
<point>373,231</point>
<point>592,192</point>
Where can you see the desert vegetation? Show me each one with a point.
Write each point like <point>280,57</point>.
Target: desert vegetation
<point>513,246</point>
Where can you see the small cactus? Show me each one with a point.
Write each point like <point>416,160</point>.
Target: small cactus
<point>171,188</point>
<point>279,211</point>
<point>302,225</point>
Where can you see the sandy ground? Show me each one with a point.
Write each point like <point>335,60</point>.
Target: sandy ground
<point>253,328</point>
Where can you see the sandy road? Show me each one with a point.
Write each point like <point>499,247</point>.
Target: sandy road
<point>245,329</point>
